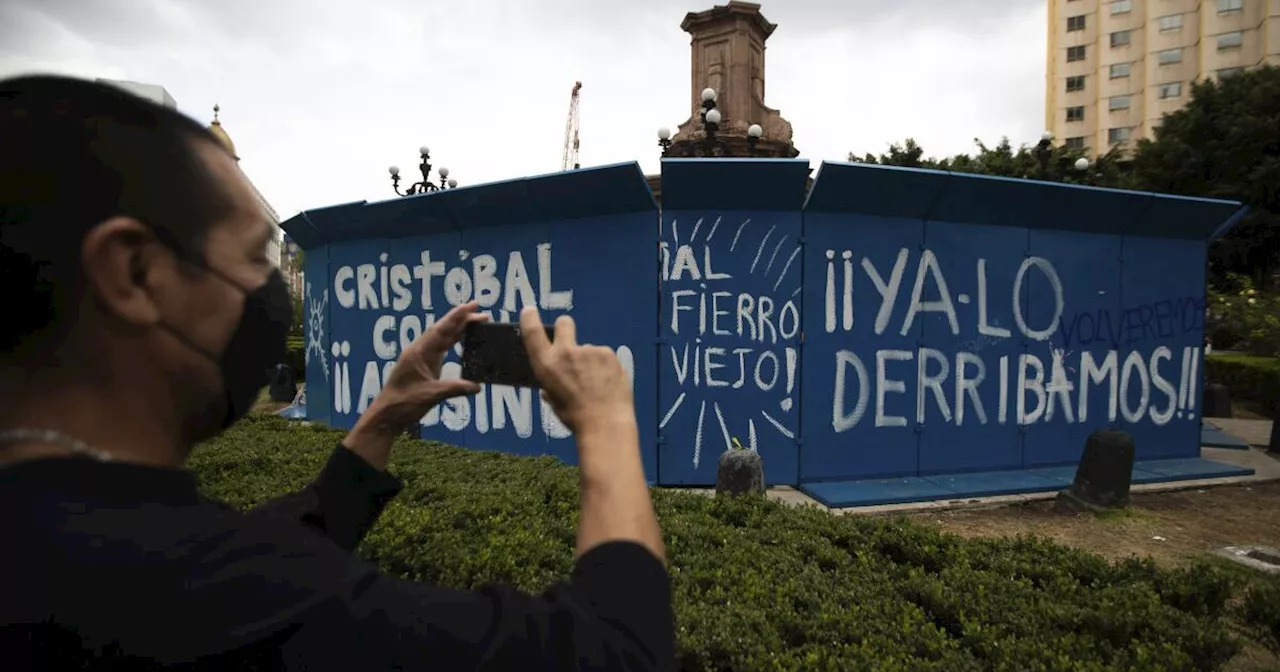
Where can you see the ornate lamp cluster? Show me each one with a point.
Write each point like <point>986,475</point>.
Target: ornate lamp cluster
<point>711,118</point>
<point>426,185</point>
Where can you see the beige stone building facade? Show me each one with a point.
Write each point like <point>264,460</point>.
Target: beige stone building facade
<point>1115,67</point>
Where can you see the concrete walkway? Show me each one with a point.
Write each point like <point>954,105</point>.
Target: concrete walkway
<point>1256,432</point>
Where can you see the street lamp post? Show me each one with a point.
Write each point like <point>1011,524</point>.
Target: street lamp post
<point>426,185</point>
<point>753,136</point>
<point>664,139</point>
<point>710,115</point>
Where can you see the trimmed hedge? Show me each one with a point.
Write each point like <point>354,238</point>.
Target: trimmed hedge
<point>296,356</point>
<point>763,586</point>
<point>1248,376</point>
<point>1261,610</point>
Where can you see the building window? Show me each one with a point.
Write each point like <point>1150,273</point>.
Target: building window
<point>1171,22</point>
<point>1169,56</point>
<point>1075,83</point>
<point>1075,23</point>
<point>1115,135</point>
<point>1075,54</point>
<point>1227,72</point>
<point>1230,40</point>
<point>1119,103</point>
<point>1120,39</point>
<point>1119,70</point>
<point>1075,113</point>
<point>1074,143</point>
<point>1170,90</point>
<point>1121,6</point>
<point>1230,5</point>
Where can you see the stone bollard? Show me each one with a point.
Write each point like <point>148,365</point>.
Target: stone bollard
<point>740,471</point>
<point>1104,475</point>
<point>1217,401</point>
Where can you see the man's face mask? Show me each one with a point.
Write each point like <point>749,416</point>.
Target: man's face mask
<point>256,345</point>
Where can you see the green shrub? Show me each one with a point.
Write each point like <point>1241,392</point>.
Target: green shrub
<point>1261,610</point>
<point>763,586</point>
<point>296,356</point>
<point>1242,318</point>
<point>1248,376</point>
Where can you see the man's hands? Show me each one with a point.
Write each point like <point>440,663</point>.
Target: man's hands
<point>584,384</point>
<point>413,387</point>
<point>590,393</point>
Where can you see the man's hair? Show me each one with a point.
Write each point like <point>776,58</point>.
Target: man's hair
<point>73,154</point>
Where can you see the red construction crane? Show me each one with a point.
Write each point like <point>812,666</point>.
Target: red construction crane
<point>571,132</point>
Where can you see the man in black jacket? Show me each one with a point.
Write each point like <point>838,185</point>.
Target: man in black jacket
<point>142,315</point>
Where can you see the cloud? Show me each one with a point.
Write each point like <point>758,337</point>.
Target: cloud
<point>321,97</point>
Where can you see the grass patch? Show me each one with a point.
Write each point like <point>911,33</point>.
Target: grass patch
<point>759,585</point>
<point>1121,515</point>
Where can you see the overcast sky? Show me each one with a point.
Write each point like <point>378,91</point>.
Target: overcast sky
<point>320,97</point>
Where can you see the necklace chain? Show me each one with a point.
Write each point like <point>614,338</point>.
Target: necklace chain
<point>53,438</point>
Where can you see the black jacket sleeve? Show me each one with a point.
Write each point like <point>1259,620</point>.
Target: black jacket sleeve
<point>614,613</point>
<point>342,503</point>
<point>273,586</point>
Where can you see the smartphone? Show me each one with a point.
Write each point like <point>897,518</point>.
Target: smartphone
<point>493,353</point>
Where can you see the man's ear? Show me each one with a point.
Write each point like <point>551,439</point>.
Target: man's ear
<point>121,259</point>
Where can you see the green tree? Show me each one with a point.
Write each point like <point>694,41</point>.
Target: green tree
<point>298,327</point>
<point>1002,160</point>
<point>1225,143</point>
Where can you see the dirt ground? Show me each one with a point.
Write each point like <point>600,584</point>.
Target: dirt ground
<point>1172,527</point>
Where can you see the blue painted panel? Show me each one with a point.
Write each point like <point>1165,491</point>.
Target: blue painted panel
<point>1121,294</point>
<point>995,483</point>
<point>1075,359</point>
<point>1160,345</point>
<point>848,432</point>
<point>317,301</point>
<point>609,262</point>
<point>729,364</point>
<point>874,492</point>
<point>965,384</point>
<point>1216,438</point>
<point>1185,469</point>
<point>355,304</point>
<point>408,283</point>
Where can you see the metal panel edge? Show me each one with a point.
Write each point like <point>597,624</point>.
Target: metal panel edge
<point>734,184</point>
<point>609,190</point>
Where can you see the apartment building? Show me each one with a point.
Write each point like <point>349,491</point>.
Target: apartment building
<point>1115,67</point>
